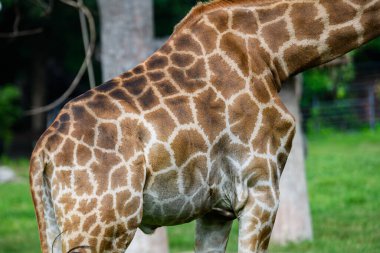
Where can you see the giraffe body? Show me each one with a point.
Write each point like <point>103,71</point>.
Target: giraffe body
<point>197,131</point>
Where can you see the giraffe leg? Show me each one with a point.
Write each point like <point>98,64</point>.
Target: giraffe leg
<point>110,231</point>
<point>257,219</point>
<point>212,231</point>
<point>105,222</point>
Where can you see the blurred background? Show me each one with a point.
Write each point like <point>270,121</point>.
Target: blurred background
<point>43,44</point>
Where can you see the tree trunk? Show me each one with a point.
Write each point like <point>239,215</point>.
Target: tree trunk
<point>293,221</point>
<point>127,39</point>
<point>126,34</point>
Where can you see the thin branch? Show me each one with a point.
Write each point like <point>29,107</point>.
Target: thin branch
<point>16,34</point>
<point>83,67</point>
<point>83,25</point>
<point>16,25</point>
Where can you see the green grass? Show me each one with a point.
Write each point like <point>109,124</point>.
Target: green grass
<point>344,188</point>
<point>18,226</point>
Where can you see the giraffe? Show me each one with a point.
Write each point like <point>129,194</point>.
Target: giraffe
<point>195,132</point>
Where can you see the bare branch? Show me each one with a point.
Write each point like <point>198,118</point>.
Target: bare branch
<point>89,53</point>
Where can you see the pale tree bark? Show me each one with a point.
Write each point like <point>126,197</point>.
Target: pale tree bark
<point>293,221</point>
<point>127,39</point>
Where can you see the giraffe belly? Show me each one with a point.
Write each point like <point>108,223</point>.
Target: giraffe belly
<point>158,211</point>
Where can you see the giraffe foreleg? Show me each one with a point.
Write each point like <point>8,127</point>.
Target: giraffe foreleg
<point>257,219</point>
<point>212,231</point>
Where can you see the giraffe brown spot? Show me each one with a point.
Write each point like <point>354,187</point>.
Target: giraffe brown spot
<point>289,142</point>
<point>64,117</point>
<point>55,124</point>
<point>119,177</point>
<point>166,88</point>
<point>62,178</point>
<point>125,100</point>
<point>274,127</point>
<point>156,76</point>
<point>67,201</point>
<point>256,171</point>
<point>206,35</point>
<point>281,160</point>
<point>66,156</point>
<point>159,157</point>
<point>194,174</point>
<point>259,57</point>
<point>82,183</point>
<point>126,75</point>
<point>265,236</point>
<point>243,115</point>
<point>338,11</point>
<point>71,224</point>
<point>133,223</point>
<point>299,58</point>
<point>133,136</point>
<point>305,24</point>
<point>219,19</point>
<point>83,154</point>
<point>236,49</point>
<point>103,107</point>
<point>63,124</point>
<point>84,125</point>
<point>53,142</point>
<point>264,194</point>
<point>197,71</point>
<point>340,40</point>
<point>224,78</point>
<point>132,207</point>
<point>138,69</point>
<point>138,174</point>
<point>86,206</point>
<point>166,185</point>
<point>157,62</point>
<point>123,240</point>
<point>180,108</point>
<point>101,169</point>
<point>162,123</point>
<point>107,209</point>
<point>184,42</point>
<point>182,59</point>
<point>89,221</point>
<point>270,14</point>
<point>244,21</point>
<point>96,231</point>
<point>183,81</point>
<point>260,91</point>
<point>210,113</point>
<point>371,20</point>
<point>121,202</point>
<point>85,96</point>
<point>107,137</point>
<point>275,35</point>
<point>166,49</point>
<point>148,100</point>
<point>186,143</point>
<point>135,85</point>
<point>108,86</point>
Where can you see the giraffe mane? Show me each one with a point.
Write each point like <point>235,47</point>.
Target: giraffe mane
<point>211,5</point>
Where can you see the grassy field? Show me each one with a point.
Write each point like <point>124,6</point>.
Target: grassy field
<point>344,188</point>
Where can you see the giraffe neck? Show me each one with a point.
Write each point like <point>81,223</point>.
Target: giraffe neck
<point>284,37</point>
